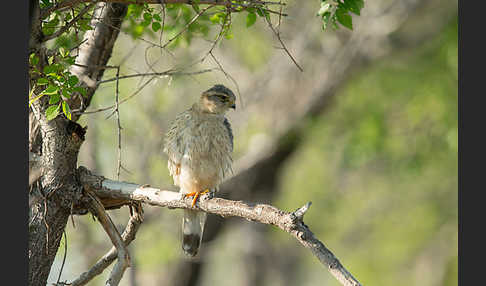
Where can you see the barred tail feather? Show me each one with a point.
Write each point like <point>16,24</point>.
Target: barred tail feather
<point>192,231</point>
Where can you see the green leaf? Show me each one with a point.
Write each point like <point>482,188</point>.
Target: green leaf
<point>51,69</point>
<point>147,17</point>
<point>52,111</point>
<point>157,17</point>
<point>72,80</point>
<point>324,8</point>
<point>48,30</point>
<point>145,23</point>
<point>63,51</point>
<point>81,90</point>
<point>42,81</point>
<point>355,6</point>
<point>54,99</point>
<point>66,93</point>
<point>218,18</point>
<point>51,89</point>
<point>228,34</point>
<point>260,12</point>
<point>34,99</point>
<point>250,19</point>
<point>263,13</point>
<point>156,26</point>
<point>344,18</point>
<point>70,60</point>
<point>34,59</point>
<point>66,110</point>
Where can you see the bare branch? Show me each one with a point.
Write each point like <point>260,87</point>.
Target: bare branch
<point>277,33</point>
<point>166,73</point>
<point>123,258</point>
<point>63,258</point>
<point>154,75</point>
<point>116,194</point>
<point>188,24</point>
<point>128,236</point>
<point>117,111</point>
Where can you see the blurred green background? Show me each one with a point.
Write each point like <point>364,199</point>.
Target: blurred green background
<point>379,165</point>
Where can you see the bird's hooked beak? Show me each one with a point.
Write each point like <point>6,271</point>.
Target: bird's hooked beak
<point>233,106</point>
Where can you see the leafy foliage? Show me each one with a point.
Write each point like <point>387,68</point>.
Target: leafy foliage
<point>333,12</point>
<point>56,81</point>
<point>179,23</point>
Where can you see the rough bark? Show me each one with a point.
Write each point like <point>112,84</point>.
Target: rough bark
<point>57,144</point>
<point>53,193</point>
<point>95,52</point>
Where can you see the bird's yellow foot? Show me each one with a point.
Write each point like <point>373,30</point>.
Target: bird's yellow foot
<point>195,195</point>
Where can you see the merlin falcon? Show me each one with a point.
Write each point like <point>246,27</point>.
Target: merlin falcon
<point>199,146</point>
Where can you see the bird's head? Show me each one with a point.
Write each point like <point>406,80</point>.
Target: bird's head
<point>218,99</point>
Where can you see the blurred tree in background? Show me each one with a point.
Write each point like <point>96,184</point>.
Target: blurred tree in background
<point>375,117</point>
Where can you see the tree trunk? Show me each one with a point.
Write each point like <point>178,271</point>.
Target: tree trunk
<point>57,142</point>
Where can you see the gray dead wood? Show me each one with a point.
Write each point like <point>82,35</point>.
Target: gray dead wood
<point>116,194</point>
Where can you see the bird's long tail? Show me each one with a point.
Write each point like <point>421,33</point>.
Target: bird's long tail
<point>192,231</point>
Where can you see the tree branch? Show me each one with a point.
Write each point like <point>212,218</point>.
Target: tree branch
<point>123,258</point>
<point>72,3</point>
<point>128,236</point>
<point>68,25</point>
<point>96,50</point>
<point>115,194</point>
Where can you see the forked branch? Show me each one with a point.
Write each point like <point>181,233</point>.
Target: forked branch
<point>115,194</point>
<point>127,236</point>
<point>122,254</point>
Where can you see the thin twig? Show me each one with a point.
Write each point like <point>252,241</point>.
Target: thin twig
<point>46,224</point>
<point>188,24</point>
<point>64,257</point>
<point>117,111</point>
<point>121,101</point>
<point>71,215</point>
<point>154,75</point>
<point>228,76</point>
<point>277,34</point>
<point>165,73</point>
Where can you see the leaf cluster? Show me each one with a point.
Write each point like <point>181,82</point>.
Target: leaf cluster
<point>179,23</point>
<point>57,82</point>
<point>333,12</point>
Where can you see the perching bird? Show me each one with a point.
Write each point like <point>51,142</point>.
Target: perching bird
<point>199,145</point>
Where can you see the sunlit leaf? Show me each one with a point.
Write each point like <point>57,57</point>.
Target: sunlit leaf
<point>42,81</point>
<point>250,19</point>
<point>52,111</point>
<point>66,110</point>
<point>51,89</point>
<point>54,99</point>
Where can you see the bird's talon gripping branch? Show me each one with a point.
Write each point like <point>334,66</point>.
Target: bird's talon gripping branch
<point>195,195</point>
